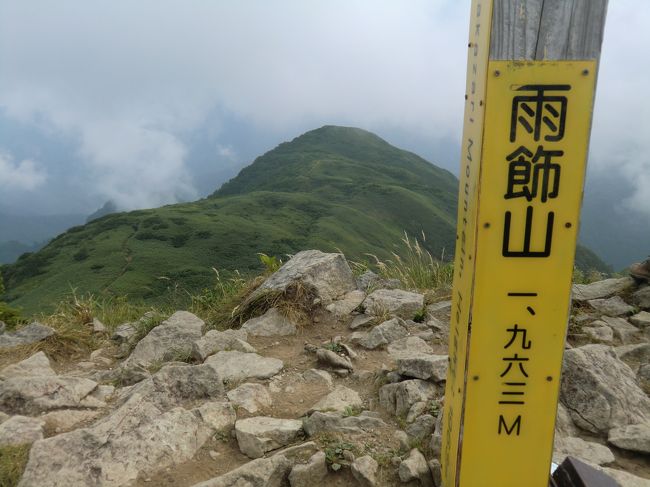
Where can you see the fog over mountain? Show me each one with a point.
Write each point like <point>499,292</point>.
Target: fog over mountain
<point>151,103</point>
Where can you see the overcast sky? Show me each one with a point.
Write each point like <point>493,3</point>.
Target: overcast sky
<point>150,102</point>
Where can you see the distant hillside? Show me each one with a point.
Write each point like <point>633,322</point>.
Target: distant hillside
<point>331,188</point>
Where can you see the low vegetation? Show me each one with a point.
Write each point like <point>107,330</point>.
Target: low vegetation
<point>12,464</point>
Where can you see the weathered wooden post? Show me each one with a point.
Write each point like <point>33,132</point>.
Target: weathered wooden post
<point>531,78</point>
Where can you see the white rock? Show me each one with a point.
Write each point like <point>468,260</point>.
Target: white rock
<point>251,397</point>
<point>173,337</point>
<point>347,304</point>
<point>404,304</point>
<point>415,467</point>
<point>37,364</point>
<point>239,366</point>
<point>337,423</point>
<point>310,473</point>
<point>408,346</point>
<point>622,329</point>
<point>600,391</point>
<point>263,472</point>
<point>642,319</point>
<point>584,450</point>
<point>364,470</point>
<point>338,400</point>
<point>599,334</point>
<point>601,289</point>
<point>387,332</point>
<point>424,366</point>
<point>614,306</point>
<point>318,376</point>
<point>219,341</point>
<point>218,415</point>
<point>98,326</point>
<point>32,333</point>
<point>261,434</point>
<point>328,275</point>
<point>271,323</point>
<point>637,353</point>
<point>634,437</point>
<point>19,430</point>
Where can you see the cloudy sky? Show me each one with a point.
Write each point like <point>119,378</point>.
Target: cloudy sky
<point>150,102</point>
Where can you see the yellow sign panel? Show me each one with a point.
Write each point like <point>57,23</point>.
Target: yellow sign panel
<point>536,134</point>
<point>477,64</point>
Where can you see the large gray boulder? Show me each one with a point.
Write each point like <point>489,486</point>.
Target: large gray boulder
<point>327,276</point>
<point>271,323</point>
<point>600,391</point>
<point>396,302</point>
<point>36,365</point>
<point>601,289</point>
<point>263,472</point>
<point>415,467</point>
<point>633,437</point>
<point>622,329</point>
<point>218,341</point>
<point>32,333</point>
<point>19,430</point>
<point>262,434</point>
<point>383,334</point>
<point>172,339</point>
<point>32,395</point>
<point>149,431</point>
<point>239,366</point>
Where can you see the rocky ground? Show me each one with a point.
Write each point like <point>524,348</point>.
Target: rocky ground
<point>352,397</point>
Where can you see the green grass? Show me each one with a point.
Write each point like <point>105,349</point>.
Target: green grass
<point>12,464</point>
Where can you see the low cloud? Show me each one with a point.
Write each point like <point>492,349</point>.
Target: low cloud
<point>26,175</point>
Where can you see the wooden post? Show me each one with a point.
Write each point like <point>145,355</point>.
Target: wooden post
<point>531,77</point>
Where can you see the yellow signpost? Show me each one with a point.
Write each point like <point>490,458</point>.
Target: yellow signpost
<point>524,153</point>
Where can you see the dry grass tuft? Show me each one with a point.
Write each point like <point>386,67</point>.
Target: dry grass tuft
<point>12,464</point>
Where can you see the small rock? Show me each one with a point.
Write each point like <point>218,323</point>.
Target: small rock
<point>219,341</point>
<point>408,346</point>
<point>382,334</point>
<point>599,334</point>
<point>634,437</point>
<point>251,397</point>
<point>643,377</point>
<point>98,326</point>
<point>642,319</point>
<point>338,400</point>
<point>123,333</point>
<point>258,435</point>
<point>415,467</point>
<point>641,297</point>
<point>417,410</point>
<point>622,329</point>
<point>347,304</point>
<point>422,427</point>
<point>634,354</point>
<point>581,449</point>
<point>436,472</point>
<point>394,301</point>
<point>218,415</point>
<point>271,323</point>
<point>32,333</point>
<point>398,398</point>
<point>333,360</point>
<point>214,455</point>
<point>19,430</point>
<point>360,321</point>
<point>237,366</point>
<point>614,306</point>
<point>311,473</point>
<point>402,438</point>
<point>424,366</point>
<point>318,376</point>
<point>364,470</point>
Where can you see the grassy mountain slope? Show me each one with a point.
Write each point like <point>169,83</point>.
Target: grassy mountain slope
<point>331,188</point>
